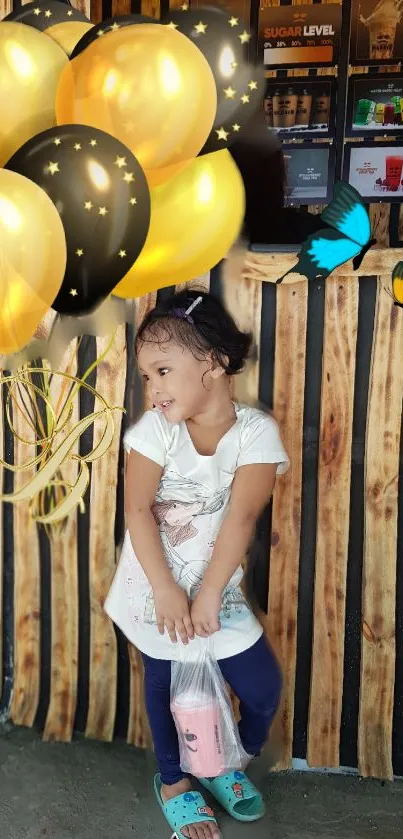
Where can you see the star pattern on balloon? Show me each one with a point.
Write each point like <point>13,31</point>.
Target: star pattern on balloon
<point>223,39</point>
<point>103,200</point>
<point>109,25</point>
<point>245,37</point>
<point>42,14</point>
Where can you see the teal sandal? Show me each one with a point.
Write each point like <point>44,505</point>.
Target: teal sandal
<point>188,808</point>
<point>237,795</point>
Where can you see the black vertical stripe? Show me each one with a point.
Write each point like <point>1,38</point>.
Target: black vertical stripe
<point>122,687</point>
<point>216,280</point>
<point>253,22</point>
<point>7,627</point>
<point>164,294</point>
<point>164,8</point>
<point>259,558</point>
<point>352,645</point>
<point>106,9</point>
<point>86,355</point>
<point>267,344</point>
<point>45,582</point>
<point>394,219</point>
<point>313,384</point>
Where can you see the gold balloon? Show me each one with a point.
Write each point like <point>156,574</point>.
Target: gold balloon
<point>147,85</point>
<point>68,33</point>
<point>30,66</point>
<point>195,218</point>
<point>32,258</point>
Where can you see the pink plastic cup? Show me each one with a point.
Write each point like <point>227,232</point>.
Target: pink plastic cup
<point>199,730</point>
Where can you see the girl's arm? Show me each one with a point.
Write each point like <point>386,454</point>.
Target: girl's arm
<point>171,602</point>
<point>251,490</point>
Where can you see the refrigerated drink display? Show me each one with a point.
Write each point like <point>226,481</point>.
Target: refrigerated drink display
<point>304,105</point>
<point>364,111</point>
<point>394,166</point>
<point>398,110</point>
<point>389,113</point>
<point>284,108</point>
<point>379,111</point>
<point>321,110</point>
<point>268,110</point>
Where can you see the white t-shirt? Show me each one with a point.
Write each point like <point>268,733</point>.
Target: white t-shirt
<point>190,505</point>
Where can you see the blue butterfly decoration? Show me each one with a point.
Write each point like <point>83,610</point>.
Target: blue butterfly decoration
<point>348,237</point>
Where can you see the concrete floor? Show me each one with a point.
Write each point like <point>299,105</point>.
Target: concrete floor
<point>90,790</point>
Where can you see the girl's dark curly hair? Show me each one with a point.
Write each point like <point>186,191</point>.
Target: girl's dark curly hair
<point>210,329</point>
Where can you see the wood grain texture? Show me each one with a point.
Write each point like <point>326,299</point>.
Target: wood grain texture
<point>6,6</point>
<point>121,7</point>
<point>380,215</point>
<point>336,422</point>
<point>138,731</point>
<point>83,6</point>
<point>268,267</point>
<point>378,650</point>
<point>111,380</point>
<point>96,11</point>
<point>152,8</point>
<point>289,380</point>
<point>27,615</point>
<point>1,529</point>
<point>64,586</point>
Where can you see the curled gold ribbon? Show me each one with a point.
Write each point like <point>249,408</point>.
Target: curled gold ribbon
<point>53,452</point>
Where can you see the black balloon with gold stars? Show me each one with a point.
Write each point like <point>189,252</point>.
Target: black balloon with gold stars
<point>109,25</point>
<point>43,14</point>
<point>224,39</point>
<point>103,199</point>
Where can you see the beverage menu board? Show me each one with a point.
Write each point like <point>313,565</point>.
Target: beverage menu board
<point>376,32</point>
<point>375,170</point>
<point>300,36</point>
<point>375,105</point>
<point>309,173</point>
<point>300,108</point>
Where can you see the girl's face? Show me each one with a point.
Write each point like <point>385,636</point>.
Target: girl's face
<point>177,383</point>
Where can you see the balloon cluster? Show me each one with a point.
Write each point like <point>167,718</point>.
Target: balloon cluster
<point>114,146</point>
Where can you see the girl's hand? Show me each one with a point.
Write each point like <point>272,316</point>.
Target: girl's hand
<point>172,610</point>
<point>205,610</point>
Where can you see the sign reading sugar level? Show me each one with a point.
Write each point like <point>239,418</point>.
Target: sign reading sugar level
<point>300,35</point>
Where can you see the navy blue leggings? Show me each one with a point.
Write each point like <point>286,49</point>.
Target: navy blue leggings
<point>254,677</point>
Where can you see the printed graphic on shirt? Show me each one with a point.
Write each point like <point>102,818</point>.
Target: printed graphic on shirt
<point>177,523</point>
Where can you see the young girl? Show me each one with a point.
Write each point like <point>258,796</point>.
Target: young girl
<point>200,470</point>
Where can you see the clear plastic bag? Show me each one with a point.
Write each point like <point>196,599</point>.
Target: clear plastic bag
<point>201,707</point>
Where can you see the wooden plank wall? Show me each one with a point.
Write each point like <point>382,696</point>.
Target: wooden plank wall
<point>64,591</point>
<point>380,539</point>
<point>101,648</point>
